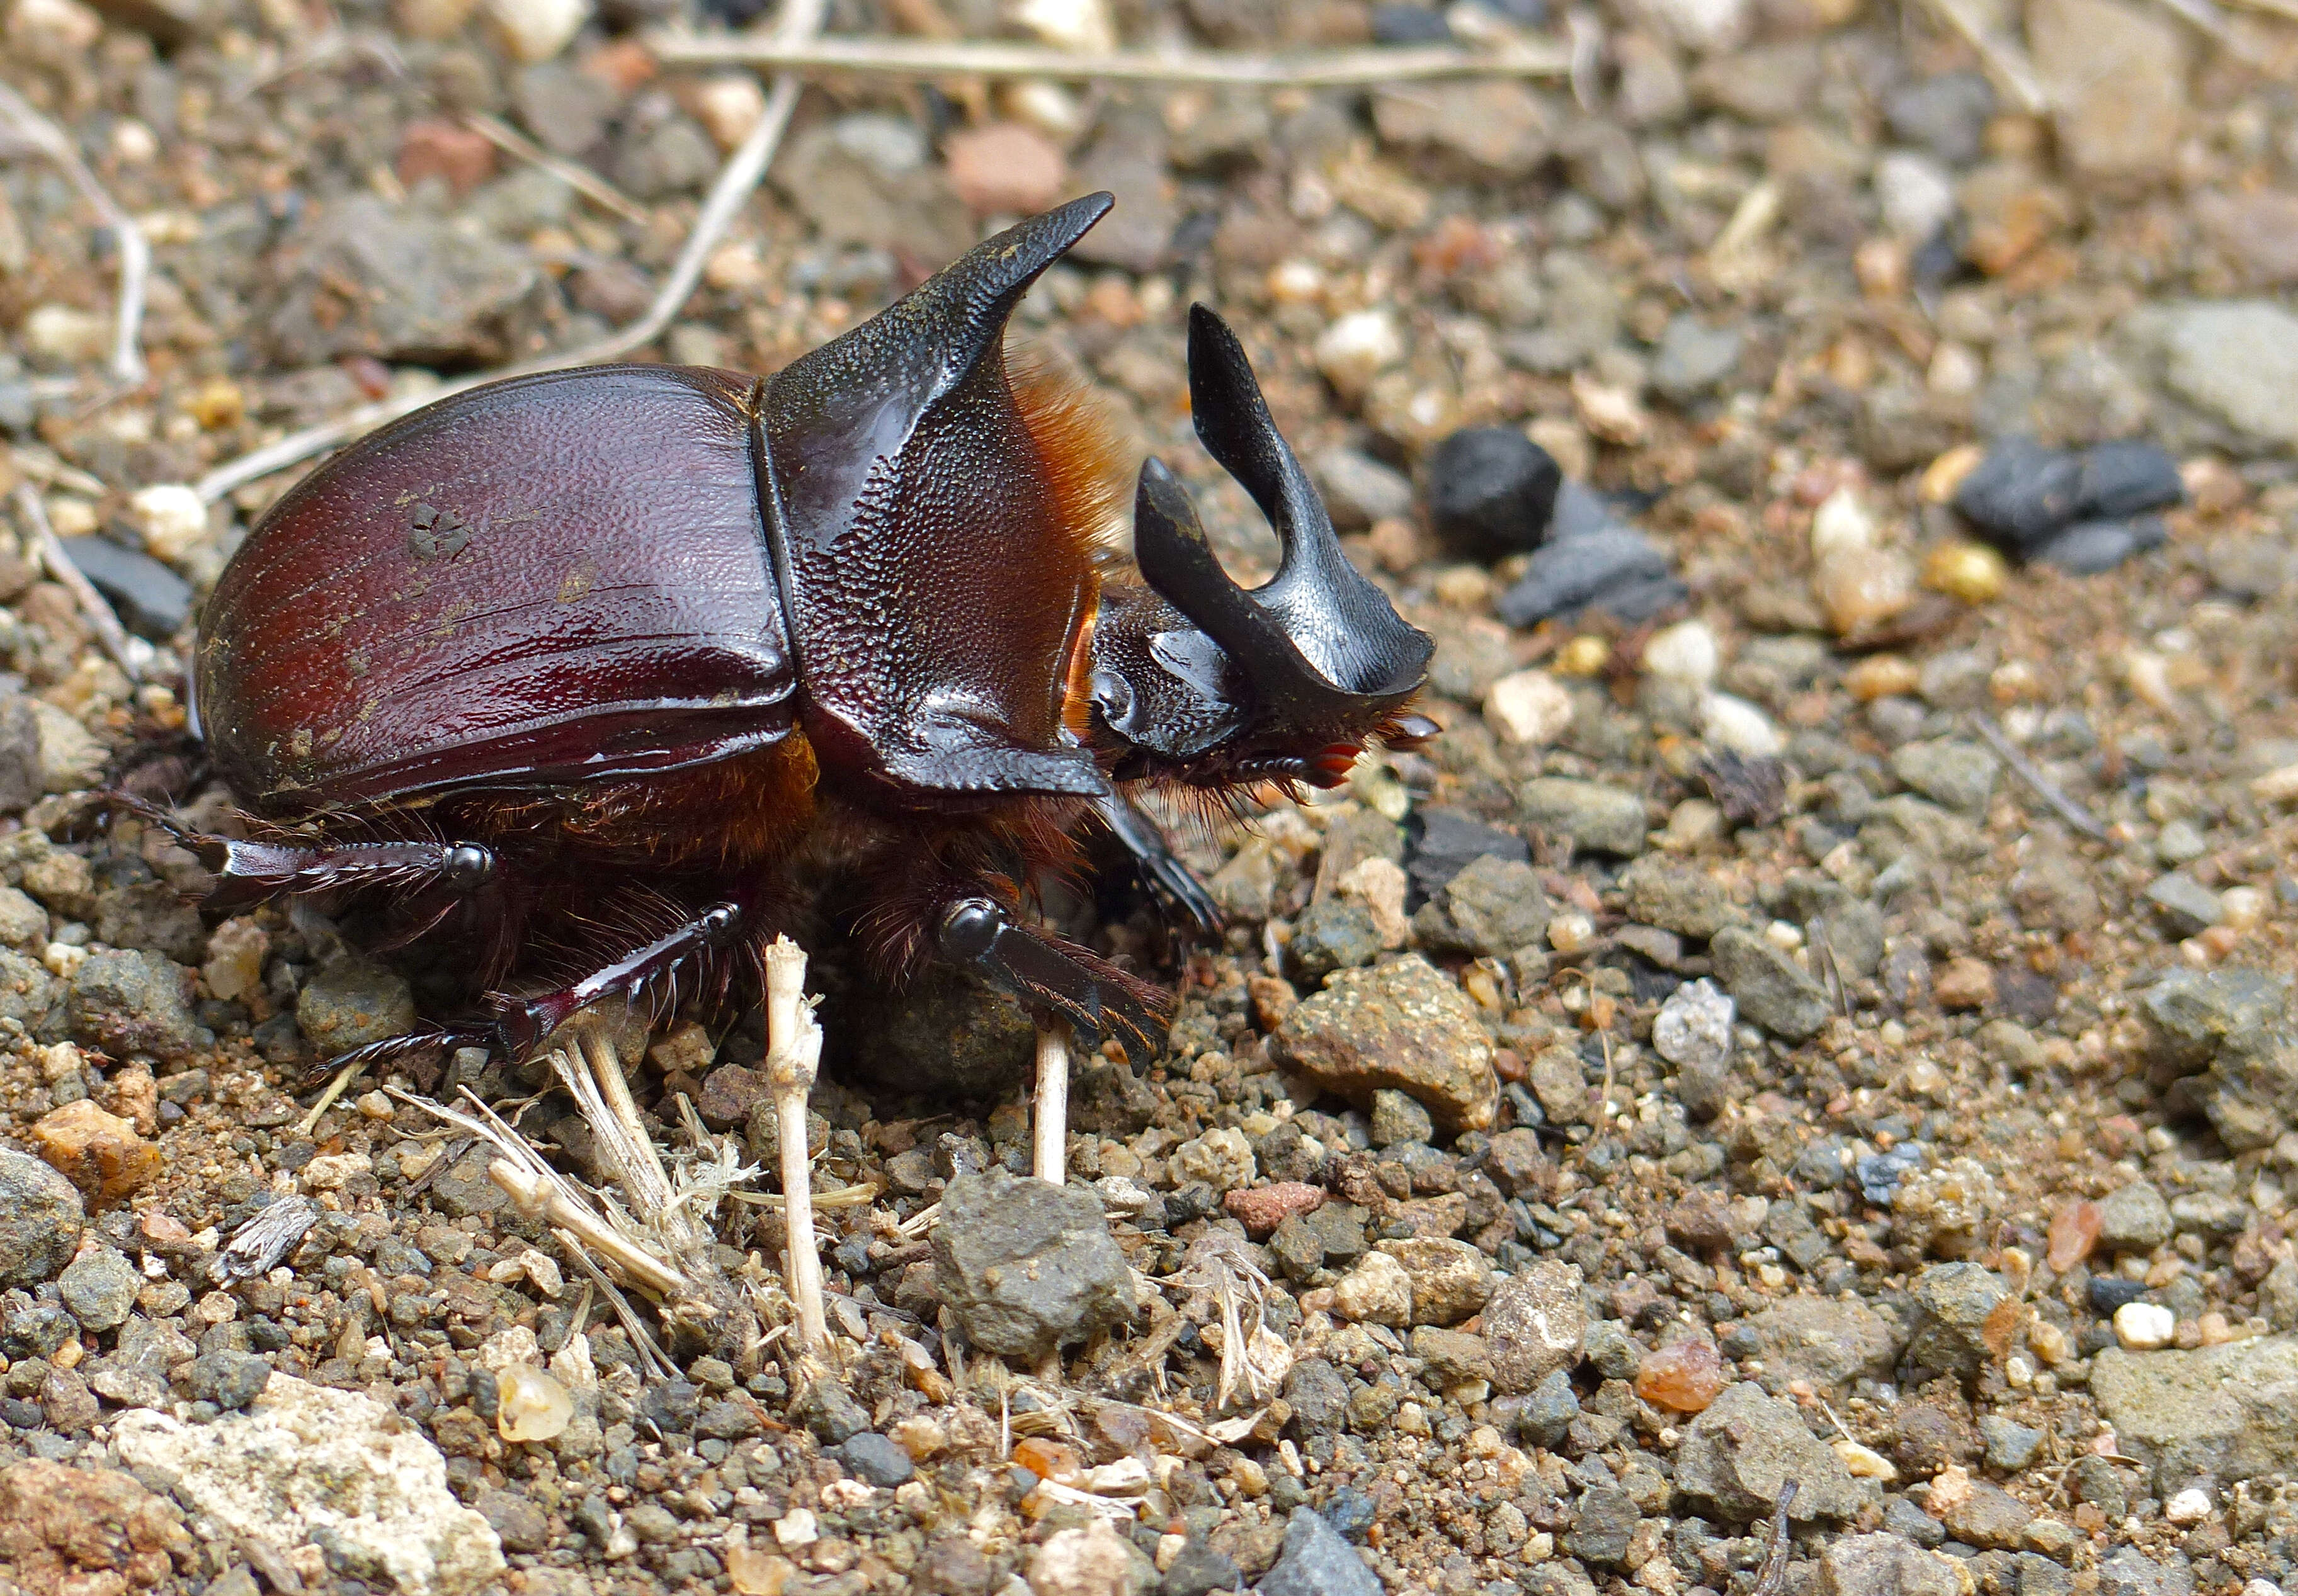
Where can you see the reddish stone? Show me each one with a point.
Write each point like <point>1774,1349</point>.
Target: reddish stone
<point>1683,1378</point>
<point>1965,984</point>
<point>100,1152</point>
<point>443,149</point>
<point>1006,168</point>
<point>1261,1209</point>
<point>2074,1232</point>
<point>85,1530</point>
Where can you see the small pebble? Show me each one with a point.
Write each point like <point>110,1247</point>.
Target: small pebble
<point>2189,1506</point>
<point>531,1405</point>
<point>1529,707</point>
<point>2145,1326</point>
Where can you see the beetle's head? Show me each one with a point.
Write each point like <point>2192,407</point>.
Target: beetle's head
<point>1203,682</point>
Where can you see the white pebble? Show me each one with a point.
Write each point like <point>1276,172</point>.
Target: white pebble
<point>531,1405</point>
<point>2189,1506</point>
<point>1916,194</point>
<point>65,334</point>
<point>728,106</point>
<point>1358,348</point>
<point>1082,26</point>
<point>53,31</point>
<point>1685,652</point>
<point>1841,525</point>
<point>1530,707</point>
<point>2144,1326</point>
<point>1733,723</point>
<point>796,1528</point>
<point>2262,1587</point>
<point>172,518</point>
<point>1570,933</point>
<point>535,30</point>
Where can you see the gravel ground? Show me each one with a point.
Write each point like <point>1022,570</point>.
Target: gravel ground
<point>1819,1013</point>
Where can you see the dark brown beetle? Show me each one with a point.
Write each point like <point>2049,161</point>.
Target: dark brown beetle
<point>612,659</point>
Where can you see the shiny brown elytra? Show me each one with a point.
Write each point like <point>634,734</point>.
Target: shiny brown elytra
<point>614,660</point>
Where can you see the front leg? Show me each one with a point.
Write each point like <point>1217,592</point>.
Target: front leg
<point>1176,886</point>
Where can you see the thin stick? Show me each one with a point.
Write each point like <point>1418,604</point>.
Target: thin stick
<point>577,177</point>
<point>793,1055</point>
<point>744,170</point>
<point>135,250</point>
<point>1052,1107</point>
<point>984,58</point>
<point>342,1079</point>
<point>2074,814</point>
<point>92,605</point>
<point>2272,8</point>
<point>2005,63</point>
<point>1773,1579</point>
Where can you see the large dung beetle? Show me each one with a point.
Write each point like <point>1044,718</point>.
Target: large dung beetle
<point>613,660</point>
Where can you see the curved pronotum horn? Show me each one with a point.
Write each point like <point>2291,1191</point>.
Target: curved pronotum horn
<point>1319,637</point>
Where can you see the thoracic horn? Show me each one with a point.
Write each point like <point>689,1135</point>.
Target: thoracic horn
<point>1318,640</point>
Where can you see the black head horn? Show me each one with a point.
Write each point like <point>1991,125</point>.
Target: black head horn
<point>1319,638</point>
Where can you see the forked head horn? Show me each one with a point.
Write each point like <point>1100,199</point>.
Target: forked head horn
<point>1319,643</point>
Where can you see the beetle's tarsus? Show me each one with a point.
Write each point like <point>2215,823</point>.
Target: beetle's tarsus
<point>423,1040</point>
<point>1052,977</point>
<point>525,1023</point>
<point>1176,886</point>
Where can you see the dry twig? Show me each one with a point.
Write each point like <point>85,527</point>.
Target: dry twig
<point>577,177</point>
<point>106,625</point>
<point>135,251</point>
<point>2074,814</point>
<point>991,58</point>
<point>1773,1579</point>
<point>737,180</point>
<point>2006,64</point>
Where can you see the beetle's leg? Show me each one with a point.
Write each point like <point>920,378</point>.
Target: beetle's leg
<point>525,1023</point>
<point>1175,887</point>
<point>249,873</point>
<point>1053,978</point>
<point>426,1039</point>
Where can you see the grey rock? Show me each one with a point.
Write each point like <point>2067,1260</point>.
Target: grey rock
<point>1535,1325</point>
<point>1958,775</point>
<point>2225,1411</point>
<point>1454,1357</point>
<point>1952,1301</point>
<point>2053,892</point>
<point>1677,895</point>
<point>1317,1561</point>
<point>2130,1572</point>
<point>152,600</point>
<point>1601,1528</point>
<point>1770,989</point>
<point>1200,1569</point>
<point>1735,1456</point>
<point>2180,843</point>
<point>23,777</point>
<point>671,157</point>
<point>229,1379</point>
<point>1396,1117</point>
<point>1549,1409</point>
<point>828,1410</point>
<point>2038,1576</point>
<point>1359,491</point>
<point>2195,1017</point>
<point>519,1522</point>
<point>1611,1352</point>
<point>1298,1251</point>
<point>863,179</point>
<point>134,909</point>
<point>1449,841</point>
<point>2277,1295</point>
<point>1402,1025</point>
<point>432,293</point>
<point>2234,360</point>
<point>1693,357</point>
<point>27,992</point>
<point>129,1002</point>
<point>1830,1343</point>
<point>2134,1219</point>
<point>2184,906</point>
<point>1127,159</point>
<point>1598,818</point>
<point>1886,1565</point>
<point>1616,569</point>
<point>1318,1396</point>
<point>2092,548</point>
<point>1027,1267</point>
<point>98,1288</point>
<point>876,1459</point>
<point>1851,926</point>
<point>1491,492</point>
<point>1332,933</point>
<point>350,1003</point>
<point>2010,1445</point>
<point>566,109</point>
<point>40,1220</point>
<point>2210,1214</point>
<point>1946,114</point>
<point>1450,1280</point>
<point>1489,908</point>
<point>944,1026</point>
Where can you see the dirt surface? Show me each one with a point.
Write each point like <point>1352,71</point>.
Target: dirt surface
<point>1816,1014</point>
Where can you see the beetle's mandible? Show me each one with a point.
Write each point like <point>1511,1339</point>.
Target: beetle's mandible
<point>616,658</point>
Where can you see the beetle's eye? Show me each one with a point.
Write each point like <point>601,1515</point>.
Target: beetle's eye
<point>1113,695</point>
<point>469,864</point>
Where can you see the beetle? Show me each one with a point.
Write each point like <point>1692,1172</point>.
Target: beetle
<point>610,661</point>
